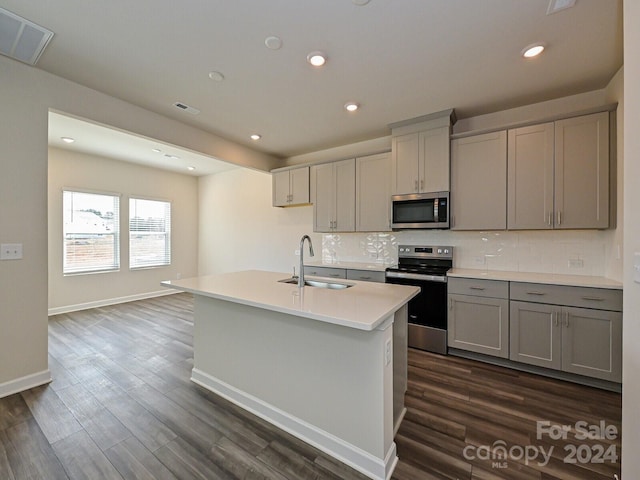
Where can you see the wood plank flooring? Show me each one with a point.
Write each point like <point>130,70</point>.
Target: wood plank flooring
<point>121,406</point>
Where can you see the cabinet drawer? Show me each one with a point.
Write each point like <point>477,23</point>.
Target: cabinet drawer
<point>479,288</point>
<point>325,272</point>
<point>595,298</point>
<point>366,275</point>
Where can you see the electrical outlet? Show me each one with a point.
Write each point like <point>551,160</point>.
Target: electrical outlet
<point>296,252</point>
<point>479,260</point>
<point>11,251</point>
<point>387,352</point>
<point>576,263</point>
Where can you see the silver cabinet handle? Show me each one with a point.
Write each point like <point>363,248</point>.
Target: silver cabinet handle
<point>559,217</point>
<point>536,293</point>
<point>593,299</point>
<point>335,275</point>
<point>554,315</point>
<point>415,185</point>
<point>422,184</point>
<point>566,319</point>
<point>476,288</point>
<point>364,278</point>
<point>450,303</point>
<point>550,219</point>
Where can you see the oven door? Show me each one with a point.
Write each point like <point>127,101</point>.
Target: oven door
<point>427,312</point>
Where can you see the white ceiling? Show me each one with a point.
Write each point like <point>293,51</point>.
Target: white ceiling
<point>398,58</point>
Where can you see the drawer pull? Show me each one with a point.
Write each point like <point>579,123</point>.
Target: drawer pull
<point>364,278</point>
<point>476,288</point>
<point>335,275</point>
<point>593,299</point>
<point>536,293</point>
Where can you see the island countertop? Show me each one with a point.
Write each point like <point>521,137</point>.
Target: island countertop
<point>364,306</point>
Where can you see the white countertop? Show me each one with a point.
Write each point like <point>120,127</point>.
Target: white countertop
<point>363,306</point>
<point>376,267</point>
<point>544,278</point>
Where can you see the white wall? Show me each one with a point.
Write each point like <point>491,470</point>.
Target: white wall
<point>69,169</point>
<point>240,230</point>
<point>26,95</point>
<point>631,322</point>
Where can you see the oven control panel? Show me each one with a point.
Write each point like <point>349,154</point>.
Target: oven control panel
<point>420,251</point>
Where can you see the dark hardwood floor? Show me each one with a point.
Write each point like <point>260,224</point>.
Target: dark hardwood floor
<point>122,406</point>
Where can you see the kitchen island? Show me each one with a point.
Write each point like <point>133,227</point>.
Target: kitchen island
<point>328,366</point>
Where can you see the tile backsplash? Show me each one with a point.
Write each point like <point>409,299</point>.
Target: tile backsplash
<point>576,252</point>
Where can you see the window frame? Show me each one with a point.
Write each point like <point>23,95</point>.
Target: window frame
<point>67,270</point>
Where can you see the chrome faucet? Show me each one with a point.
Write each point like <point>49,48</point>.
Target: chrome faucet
<point>301,272</point>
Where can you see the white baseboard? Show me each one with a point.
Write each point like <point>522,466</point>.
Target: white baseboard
<point>24,383</point>
<point>110,301</point>
<point>364,462</point>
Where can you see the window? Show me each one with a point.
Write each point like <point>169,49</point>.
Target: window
<point>91,232</point>
<point>149,233</point>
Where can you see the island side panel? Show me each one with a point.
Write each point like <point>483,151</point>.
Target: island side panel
<point>400,365</point>
<point>331,377</point>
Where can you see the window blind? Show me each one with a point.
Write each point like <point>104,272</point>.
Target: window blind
<point>149,233</point>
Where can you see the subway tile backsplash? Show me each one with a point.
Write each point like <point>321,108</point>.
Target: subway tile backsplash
<point>576,252</point>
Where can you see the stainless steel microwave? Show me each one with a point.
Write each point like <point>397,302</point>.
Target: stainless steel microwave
<point>420,211</point>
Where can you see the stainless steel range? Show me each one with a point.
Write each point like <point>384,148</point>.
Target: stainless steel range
<point>425,267</point>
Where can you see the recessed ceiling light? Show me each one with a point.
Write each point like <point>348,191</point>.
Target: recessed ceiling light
<point>67,139</point>
<point>191,168</point>
<point>172,157</point>
<point>255,136</point>
<point>351,106</point>
<point>156,150</point>
<point>273,42</point>
<point>360,3</point>
<point>216,76</point>
<point>533,50</point>
<point>317,59</point>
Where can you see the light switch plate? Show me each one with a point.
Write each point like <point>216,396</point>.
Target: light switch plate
<point>11,251</point>
<point>636,267</point>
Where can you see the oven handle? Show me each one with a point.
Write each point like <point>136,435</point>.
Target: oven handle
<point>417,276</point>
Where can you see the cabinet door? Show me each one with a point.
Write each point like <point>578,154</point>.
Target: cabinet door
<point>373,193</point>
<point>405,154</point>
<point>299,181</point>
<point>479,182</point>
<point>345,195</point>
<point>530,185</point>
<point>434,165</point>
<point>534,333</point>
<point>322,177</point>
<point>479,324</point>
<point>280,188</point>
<point>592,343</point>
<point>582,172</point>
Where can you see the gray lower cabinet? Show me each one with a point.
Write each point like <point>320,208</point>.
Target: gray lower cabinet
<point>478,317</point>
<point>346,273</point>
<point>325,272</point>
<point>585,340</point>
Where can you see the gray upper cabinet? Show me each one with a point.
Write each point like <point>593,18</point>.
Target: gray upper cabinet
<point>373,193</point>
<point>420,161</point>
<point>290,187</point>
<point>582,172</point>
<point>559,174</point>
<point>334,199</point>
<point>479,182</point>
<point>530,186</point>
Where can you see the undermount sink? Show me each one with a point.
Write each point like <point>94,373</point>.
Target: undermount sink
<point>318,283</point>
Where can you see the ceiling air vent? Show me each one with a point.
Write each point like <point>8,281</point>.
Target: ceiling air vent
<point>21,39</point>
<point>186,108</point>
